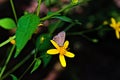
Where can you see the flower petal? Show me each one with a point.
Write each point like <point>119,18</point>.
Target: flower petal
<point>117,34</point>
<point>55,44</point>
<point>52,51</point>
<point>113,21</point>
<point>69,54</point>
<point>113,24</point>
<point>119,26</point>
<point>62,60</point>
<point>66,44</point>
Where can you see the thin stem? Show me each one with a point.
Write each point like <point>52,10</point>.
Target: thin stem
<point>89,39</point>
<point>67,28</point>
<point>7,41</point>
<point>8,58</point>
<point>27,69</point>
<point>18,65</point>
<point>13,9</point>
<point>55,13</point>
<point>82,32</point>
<point>87,31</point>
<point>38,9</point>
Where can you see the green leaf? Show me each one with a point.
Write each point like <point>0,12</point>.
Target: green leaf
<point>43,42</point>
<point>7,23</point>
<point>63,18</point>
<point>36,65</point>
<point>13,77</point>
<point>27,25</point>
<point>42,45</point>
<point>46,59</point>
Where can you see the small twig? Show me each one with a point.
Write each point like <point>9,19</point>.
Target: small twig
<point>26,70</point>
<point>55,13</point>
<point>13,9</point>
<point>38,8</point>
<point>7,60</point>
<point>7,41</point>
<point>18,65</point>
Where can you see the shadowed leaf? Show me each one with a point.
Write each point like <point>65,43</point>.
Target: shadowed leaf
<point>36,65</point>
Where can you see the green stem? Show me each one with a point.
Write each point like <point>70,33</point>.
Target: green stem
<point>86,37</point>
<point>38,9</point>
<point>13,9</point>
<point>8,58</point>
<point>7,41</point>
<point>18,65</point>
<point>55,13</point>
<point>82,32</point>
<point>27,69</point>
<point>67,28</point>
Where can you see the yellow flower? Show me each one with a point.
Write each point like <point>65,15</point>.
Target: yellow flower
<point>116,26</point>
<point>62,51</point>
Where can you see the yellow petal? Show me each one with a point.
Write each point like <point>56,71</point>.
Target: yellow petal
<point>52,51</point>
<point>62,60</point>
<point>66,44</point>
<point>113,24</point>
<point>113,21</point>
<point>119,26</point>
<point>69,54</point>
<point>117,34</point>
<point>55,44</point>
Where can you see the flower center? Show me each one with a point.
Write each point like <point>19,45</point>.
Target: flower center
<point>62,50</point>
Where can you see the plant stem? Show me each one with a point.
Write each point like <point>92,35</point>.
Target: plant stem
<point>27,69</point>
<point>13,9</point>
<point>7,41</point>
<point>82,32</point>
<point>18,65</point>
<point>87,31</point>
<point>38,8</point>
<point>67,28</point>
<point>8,58</point>
<point>55,13</point>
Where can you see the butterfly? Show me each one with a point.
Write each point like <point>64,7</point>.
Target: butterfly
<point>60,38</point>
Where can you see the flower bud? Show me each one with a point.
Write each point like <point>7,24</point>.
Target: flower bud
<point>75,1</point>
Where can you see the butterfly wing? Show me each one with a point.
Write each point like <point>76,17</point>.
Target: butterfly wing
<point>60,38</point>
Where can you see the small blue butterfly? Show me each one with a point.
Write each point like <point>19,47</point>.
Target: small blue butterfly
<point>60,38</point>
